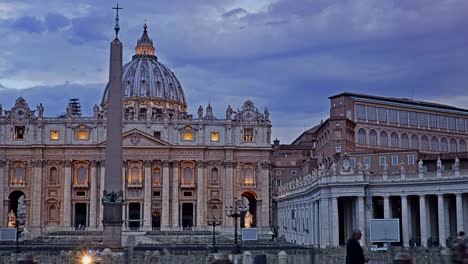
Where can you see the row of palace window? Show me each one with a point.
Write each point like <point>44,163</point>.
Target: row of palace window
<point>443,145</point>
<point>394,160</point>
<point>135,177</point>
<point>416,119</point>
<point>82,133</point>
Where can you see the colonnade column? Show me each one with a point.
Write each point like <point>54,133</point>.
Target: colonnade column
<point>361,217</point>
<point>102,176</point>
<point>265,194</point>
<point>423,220</point>
<point>165,196</point>
<point>175,194</point>
<point>147,197</point>
<point>66,221</point>
<point>459,209</point>
<point>201,195</point>
<point>335,222</point>
<point>324,226</point>
<point>3,175</point>
<point>441,218</point>
<point>386,204</point>
<point>404,220</point>
<point>93,195</point>
<point>36,198</point>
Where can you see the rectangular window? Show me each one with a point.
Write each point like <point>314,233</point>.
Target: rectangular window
<point>394,160</point>
<point>361,112</point>
<point>338,149</point>
<point>293,163</point>
<point>367,162</point>
<point>20,133</point>
<point>382,160</point>
<point>54,135</point>
<point>81,193</point>
<point>432,121</point>
<point>382,114</point>
<point>188,136</point>
<point>214,137</point>
<point>411,159</point>
<point>278,183</point>
<point>413,118</point>
<point>460,124</point>
<point>82,135</point>
<point>403,118</point>
<point>422,120</point>
<point>442,122</point>
<point>371,113</point>
<point>157,134</point>
<point>156,193</point>
<point>452,123</point>
<point>393,116</point>
<point>248,135</point>
<point>187,194</point>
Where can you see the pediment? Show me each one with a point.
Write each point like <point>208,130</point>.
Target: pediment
<point>137,138</point>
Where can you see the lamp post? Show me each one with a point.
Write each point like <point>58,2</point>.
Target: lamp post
<point>236,212</point>
<point>213,221</point>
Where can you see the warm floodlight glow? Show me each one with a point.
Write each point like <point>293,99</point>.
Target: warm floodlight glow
<point>86,259</point>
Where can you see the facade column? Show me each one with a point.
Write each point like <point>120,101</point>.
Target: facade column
<point>147,197</point>
<point>361,217</point>
<point>441,219</point>
<point>175,194</point>
<point>423,219</point>
<point>125,181</point>
<point>369,211</point>
<point>93,195</point>
<point>459,208</point>
<point>386,204</point>
<point>165,196</point>
<point>66,217</point>
<point>335,222</point>
<point>37,213</point>
<point>324,225</point>
<point>404,220</point>
<point>317,223</point>
<point>3,175</point>
<point>201,195</point>
<point>229,190</point>
<point>265,179</point>
<point>102,177</point>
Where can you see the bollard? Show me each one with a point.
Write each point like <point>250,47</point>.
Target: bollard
<point>247,258</point>
<point>402,258</point>
<point>260,259</point>
<point>282,257</point>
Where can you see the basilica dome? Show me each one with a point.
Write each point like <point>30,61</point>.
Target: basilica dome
<point>146,80</point>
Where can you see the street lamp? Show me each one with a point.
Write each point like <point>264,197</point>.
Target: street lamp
<point>213,221</point>
<point>236,212</point>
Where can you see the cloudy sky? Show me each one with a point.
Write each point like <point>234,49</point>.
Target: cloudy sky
<point>287,55</point>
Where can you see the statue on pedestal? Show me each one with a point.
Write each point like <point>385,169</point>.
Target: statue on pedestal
<point>200,112</point>
<point>420,166</point>
<point>11,220</point>
<point>456,166</point>
<point>439,165</point>
<point>40,110</point>
<point>229,112</point>
<point>96,111</point>
<point>248,220</point>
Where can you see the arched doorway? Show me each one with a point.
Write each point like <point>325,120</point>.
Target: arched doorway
<point>249,199</point>
<point>156,220</point>
<point>13,200</point>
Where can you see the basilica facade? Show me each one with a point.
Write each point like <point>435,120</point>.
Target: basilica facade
<point>178,168</point>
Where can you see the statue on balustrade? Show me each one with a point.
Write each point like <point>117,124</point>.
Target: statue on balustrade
<point>439,165</point>
<point>420,166</point>
<point>456,166</point>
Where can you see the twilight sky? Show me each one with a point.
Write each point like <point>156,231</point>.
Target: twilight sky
<point>287,55</point>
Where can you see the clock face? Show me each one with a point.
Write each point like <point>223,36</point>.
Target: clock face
<point>249,115</point>
<point>20,113</point>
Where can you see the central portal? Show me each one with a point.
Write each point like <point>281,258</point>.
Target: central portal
<point>81,215</point>
<point>134,216</point>
<point>187,215</point>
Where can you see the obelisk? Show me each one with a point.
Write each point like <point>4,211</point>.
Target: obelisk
<point>113,194</point>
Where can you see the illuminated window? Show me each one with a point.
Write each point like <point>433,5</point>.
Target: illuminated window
<point>156,177</point>
<point>215,136</point>
<point>17,178</point>
<point>248,135</point>
<point>54,135</point>
<point>248,177</point>
<point>134,178</point>
<point>82,133</point>
<point>20,133</point>
<point>187,136</point>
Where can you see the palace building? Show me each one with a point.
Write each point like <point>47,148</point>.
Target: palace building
<point>178,169</point>
<point>374,157</point>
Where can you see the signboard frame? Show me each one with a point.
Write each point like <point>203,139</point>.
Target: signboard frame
<point>8,234</point>
<point>249,234</point>
<point>395,225</point>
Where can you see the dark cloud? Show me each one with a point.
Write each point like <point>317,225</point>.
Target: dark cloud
<point>28,24</point>
<point>56,21</point>
<point>234,12</point>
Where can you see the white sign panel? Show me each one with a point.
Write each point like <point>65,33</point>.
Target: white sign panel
<point>249,234</point>
<point>385,230</point>
<point>7,234</point>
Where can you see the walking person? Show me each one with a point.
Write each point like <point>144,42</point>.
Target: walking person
<point>354,252</point>
<point>459,249</point>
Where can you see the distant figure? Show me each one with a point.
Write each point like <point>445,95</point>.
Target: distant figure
<point>354,252</point>
<point>459,249</point>
<point>40,110</point>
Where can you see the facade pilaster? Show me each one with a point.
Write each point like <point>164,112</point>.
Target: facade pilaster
<point>386,203</point>
<point>147,197</point>
<point>423,220</point>
<point>324,225</point>
<point>66,217</point>
<point>459,208</point>
<point>165,196</point>
<point>229,190</point>
<point>317,223</point>
<point>175,194</point>
<point>200,194</point>
<point>102,178</point>
<point>361,217</point>
<point>265,193</point>
<point>404,220</point>
<point>93,195</point>
<point>37,215</point>
<point>441,219</point>
<point>3,176</point>
<point>335,223</point>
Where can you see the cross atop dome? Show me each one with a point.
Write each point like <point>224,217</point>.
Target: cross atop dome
<point>144,44</point>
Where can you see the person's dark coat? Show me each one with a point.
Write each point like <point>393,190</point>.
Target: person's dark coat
<point>354,252</point>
